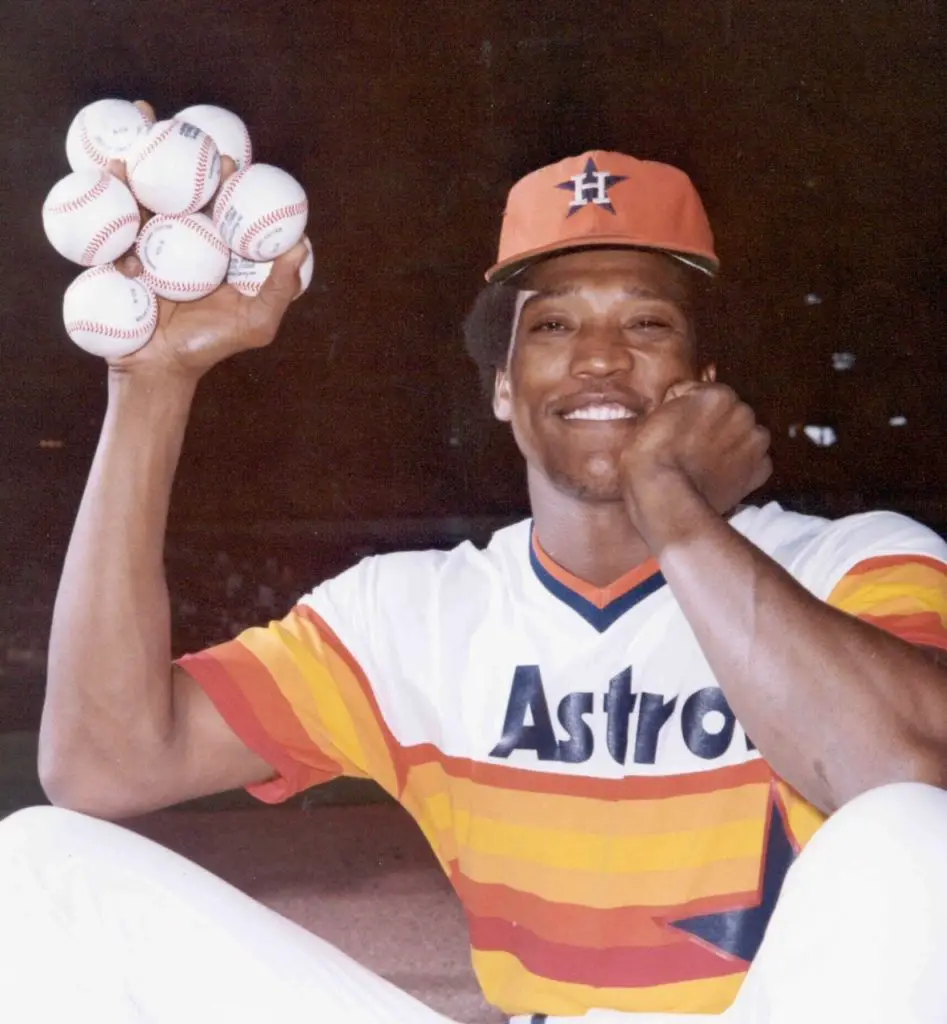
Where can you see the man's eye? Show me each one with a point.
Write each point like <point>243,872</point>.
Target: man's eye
<point>549,325</point>
<point>649,324</point>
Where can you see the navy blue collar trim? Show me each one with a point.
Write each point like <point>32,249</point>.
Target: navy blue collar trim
<point>598,618</point>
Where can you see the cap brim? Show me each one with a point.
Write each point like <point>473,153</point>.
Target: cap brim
<point>506,269</point>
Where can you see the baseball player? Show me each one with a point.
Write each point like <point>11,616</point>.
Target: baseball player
<point>622,726</point>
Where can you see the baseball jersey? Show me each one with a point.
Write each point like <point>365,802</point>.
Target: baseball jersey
<point>616,839</point>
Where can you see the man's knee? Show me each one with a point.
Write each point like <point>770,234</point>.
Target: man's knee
<point>37,829</point>
<point>899,831</point>
<point>904,810</point>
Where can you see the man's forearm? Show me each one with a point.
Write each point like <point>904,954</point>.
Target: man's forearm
<point>834,704</point>
<point>108,687</point>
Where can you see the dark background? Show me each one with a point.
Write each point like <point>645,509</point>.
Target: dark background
<point>814,131</point>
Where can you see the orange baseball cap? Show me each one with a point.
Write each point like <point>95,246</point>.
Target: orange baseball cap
<point>607,200</point>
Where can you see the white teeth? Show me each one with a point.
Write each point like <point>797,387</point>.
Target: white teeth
<point>609,411</point>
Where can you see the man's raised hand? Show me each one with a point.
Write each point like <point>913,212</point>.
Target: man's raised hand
<point>191,337</point>
<point>703,437</point>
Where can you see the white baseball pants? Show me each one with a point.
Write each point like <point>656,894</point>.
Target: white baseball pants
<point>100,925</point>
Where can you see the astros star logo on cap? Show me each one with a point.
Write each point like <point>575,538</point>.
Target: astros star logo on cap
<point>657,209</point>
<point>591,186</point>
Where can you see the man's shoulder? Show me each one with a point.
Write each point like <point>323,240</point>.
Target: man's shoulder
<point>814,548</point>
<point>415,579</point>
<point>507,544</point>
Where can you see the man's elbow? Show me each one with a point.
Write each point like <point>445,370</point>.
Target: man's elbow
<point>930,766</point>
<point>79,784</point>
<point>916,762</point>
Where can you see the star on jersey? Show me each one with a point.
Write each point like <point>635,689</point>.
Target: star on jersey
<point>739,932</point>
<point>591,187</point>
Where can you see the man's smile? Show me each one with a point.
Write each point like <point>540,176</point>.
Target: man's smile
<point>601,406</point>
<point>601,412</point>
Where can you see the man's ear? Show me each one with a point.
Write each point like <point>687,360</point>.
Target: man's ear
<point>708,374</point>
<point>502,401</point>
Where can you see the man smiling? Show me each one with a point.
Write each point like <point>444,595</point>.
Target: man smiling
<point>620,726</point>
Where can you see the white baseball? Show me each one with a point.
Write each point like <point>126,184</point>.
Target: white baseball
<point>102,131</point>
<point>109,314</point>
<point>174,168</point>
<point>226,129</point>
<point>90,217</point>
<point>247,276</point>
<point>182,258</point>
<point>261,212</point>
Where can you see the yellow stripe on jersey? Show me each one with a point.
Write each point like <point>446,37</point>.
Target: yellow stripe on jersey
<point>906,595</point>
<point>655,888</point>
<point>609,855</point>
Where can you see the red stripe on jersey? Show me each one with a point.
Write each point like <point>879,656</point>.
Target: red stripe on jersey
<point>638,787</point>
<point>246,696</point>
<point>924,629</point>
<point>895,561</point>
<point>613,967</point>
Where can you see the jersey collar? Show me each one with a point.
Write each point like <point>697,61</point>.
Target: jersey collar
<point>599,606</point>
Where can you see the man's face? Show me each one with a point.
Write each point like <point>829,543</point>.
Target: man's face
<point>594,352</point>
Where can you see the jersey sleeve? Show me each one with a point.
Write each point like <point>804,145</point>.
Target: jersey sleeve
<point>890,571</point>
<point>296,693</point>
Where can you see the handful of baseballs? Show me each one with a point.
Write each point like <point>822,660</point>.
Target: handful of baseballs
<point>191,245</point>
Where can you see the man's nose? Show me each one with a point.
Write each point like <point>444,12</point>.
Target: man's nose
<point>600,351</point>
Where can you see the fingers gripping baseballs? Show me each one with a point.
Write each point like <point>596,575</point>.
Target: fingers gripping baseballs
<point>144,194</point>
<point>705,433</point>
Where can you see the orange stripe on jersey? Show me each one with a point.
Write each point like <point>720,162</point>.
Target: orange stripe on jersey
<point>250,703</point>
<point>529,993</point>
<point>477,800</point>
<point>356,702</point>
<point>299,664</point>
<point>895,561</point>
<point>603,967</point>
<point>903,594</point>
<point>640,787</point>
<point>599,596</point>
<point>626,924</point>
<point>925,629</point>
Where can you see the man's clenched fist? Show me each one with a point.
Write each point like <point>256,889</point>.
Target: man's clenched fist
<point>701,435</point>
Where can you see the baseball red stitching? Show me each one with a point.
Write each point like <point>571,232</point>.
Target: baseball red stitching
<point>268,220</point>
<point>99,239</point>
<point>203,160</point>
<point>190,221</point>
<point>247,149</point>
<point>150,148</point>
<point>114,332</point>
<point>188,287</point>
<point>105,330</point>
<point>97,158</point>
<point>226,194</point>
<point>209,236</point>
<point>247,285</point>
<point>132,166</point>
<point>108,269</point>
<point>71,205</point>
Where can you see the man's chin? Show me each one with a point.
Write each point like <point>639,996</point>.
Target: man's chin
<point>590,488</point>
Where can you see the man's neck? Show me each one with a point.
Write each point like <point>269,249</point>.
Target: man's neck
<point>594,541</point>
